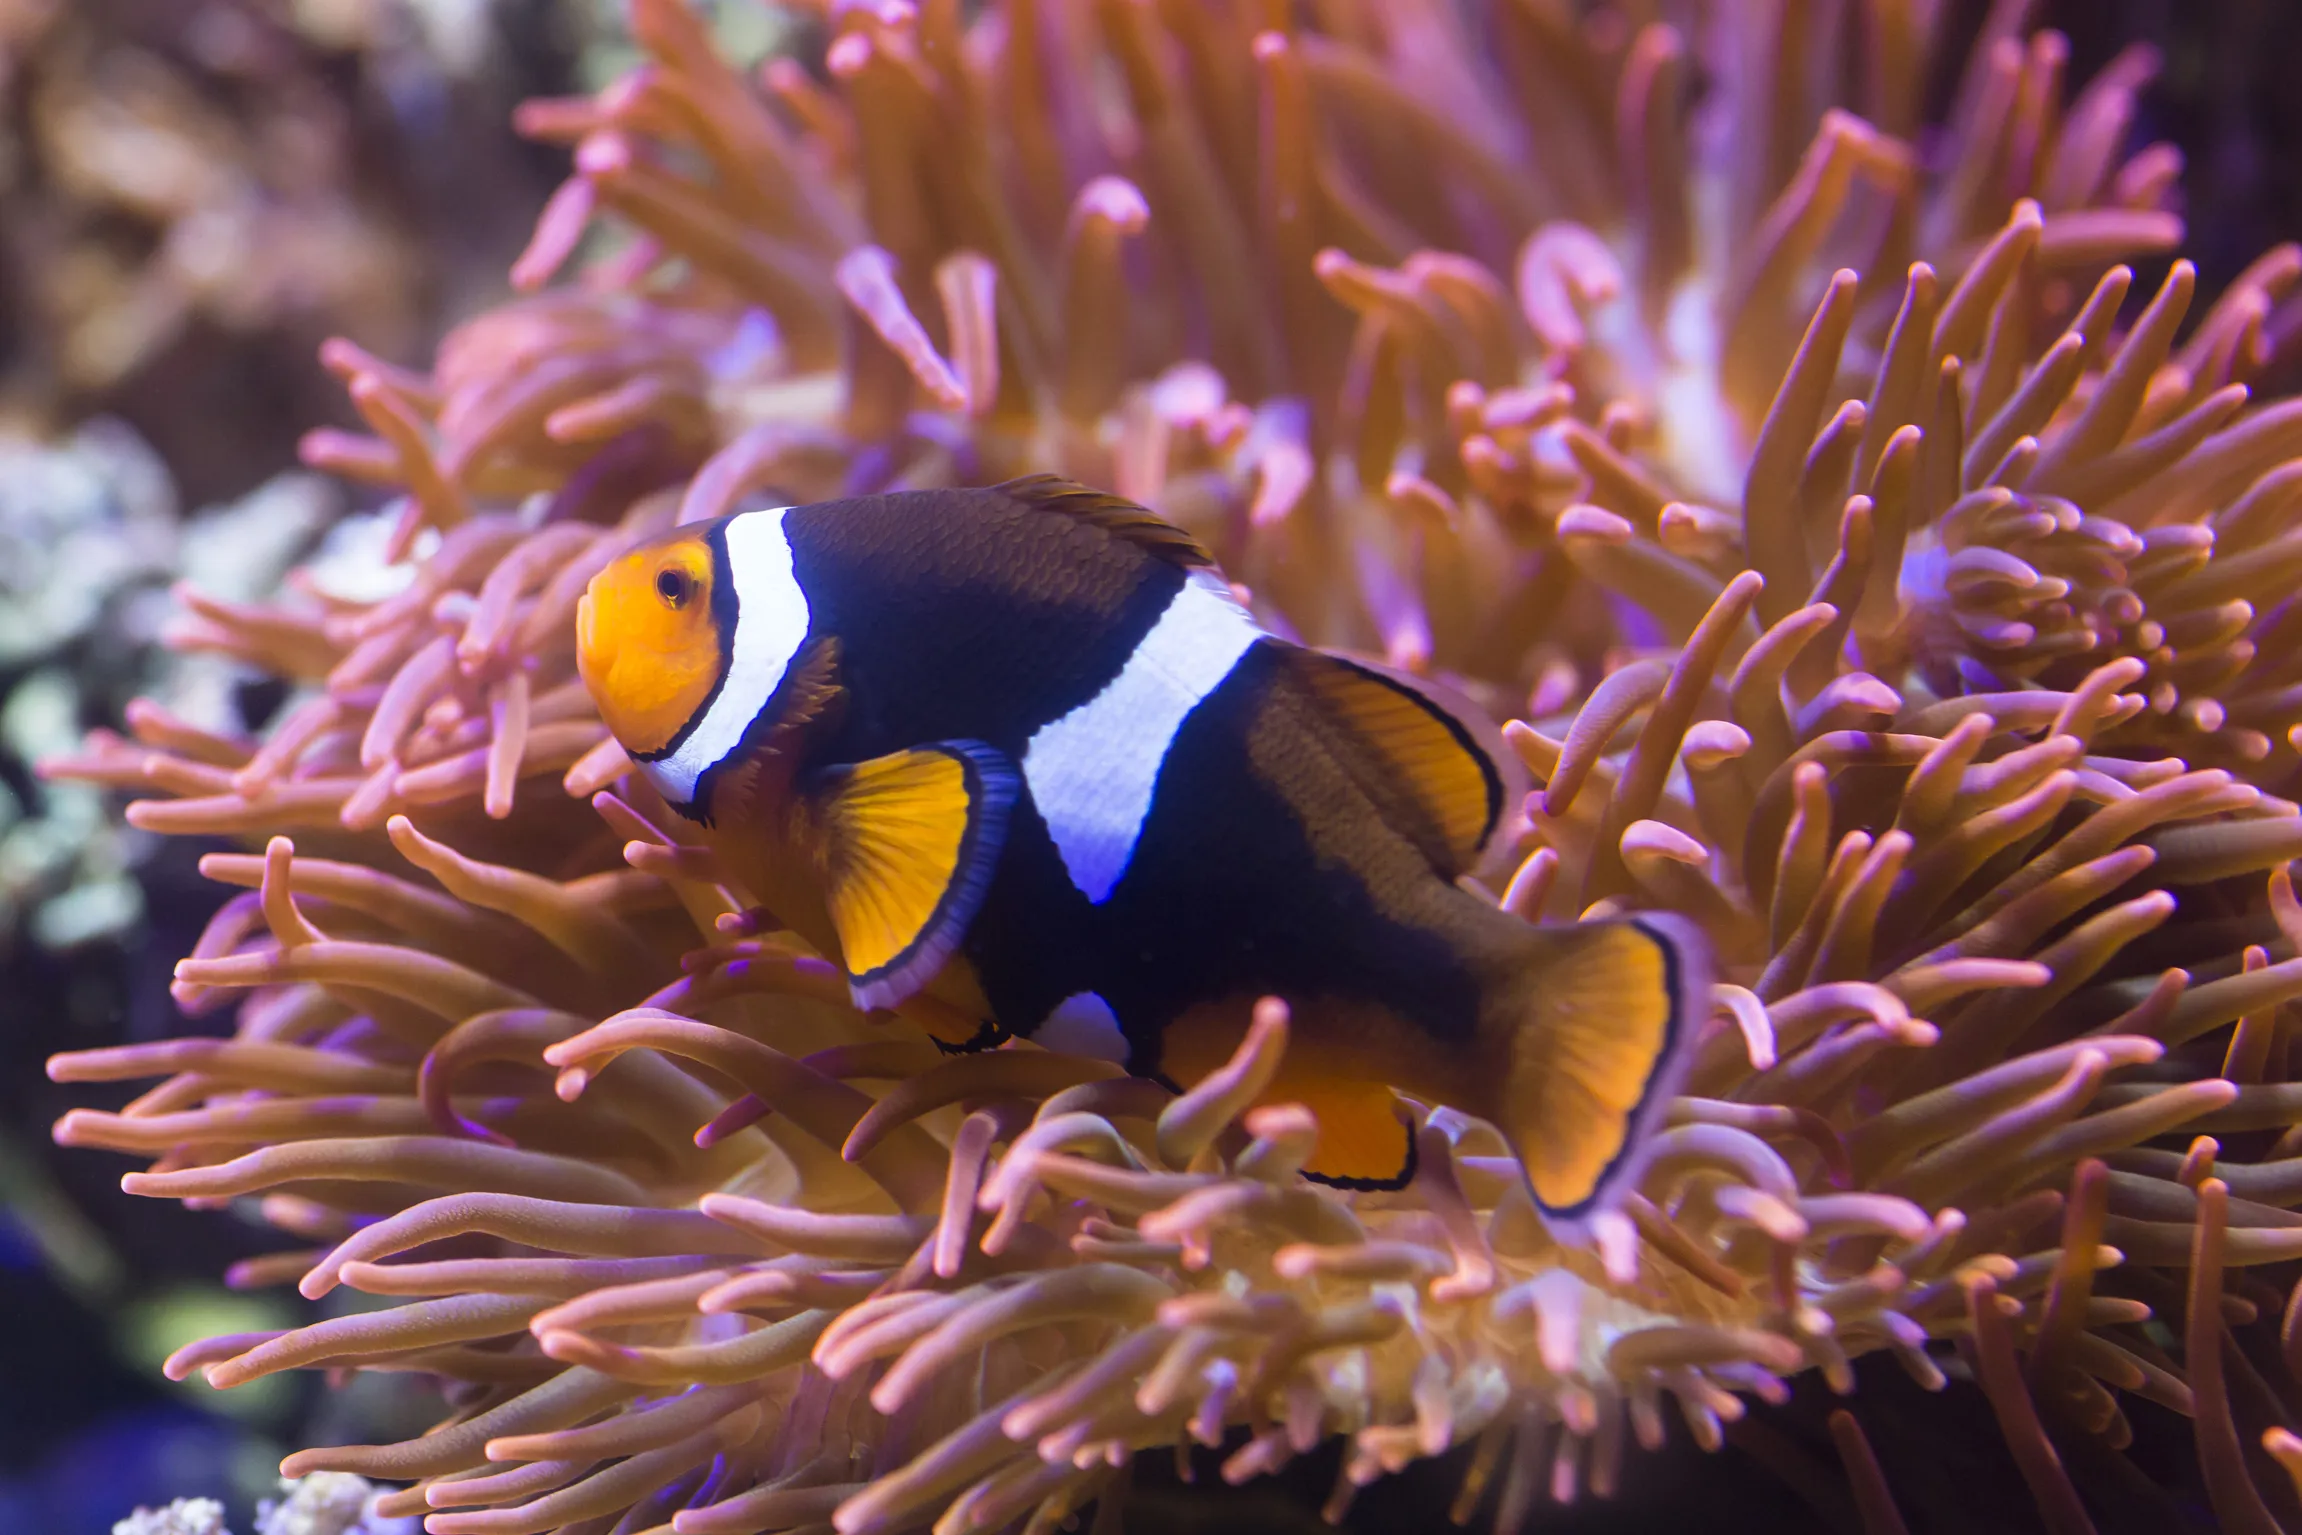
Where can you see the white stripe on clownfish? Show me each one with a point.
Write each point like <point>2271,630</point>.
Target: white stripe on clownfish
<point>1092,771</point>
<point>771,621</point>
<point>1083,1024</point>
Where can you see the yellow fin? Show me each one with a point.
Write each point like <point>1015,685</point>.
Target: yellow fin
<point>1364,1142</point>
<point>907,843</point>
<point>1451,760</point>
<point>953,1011</point>
<point>1594,1040</point>
<point>1116,515</point>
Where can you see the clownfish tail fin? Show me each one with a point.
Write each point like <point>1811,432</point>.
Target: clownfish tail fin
<point>1586,1031</point>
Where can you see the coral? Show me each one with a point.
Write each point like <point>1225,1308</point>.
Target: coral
<point>86,526</point>
<point>185,1516</point>
<point>89,537</point>
<point>324,1503</point>
<point>1918,626</point>
<point>80,521</point>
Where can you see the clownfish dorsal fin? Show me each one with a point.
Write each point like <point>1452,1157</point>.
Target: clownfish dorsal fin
<point>906,845</point>
<point>1115,515</point>
<point>1451,758</point>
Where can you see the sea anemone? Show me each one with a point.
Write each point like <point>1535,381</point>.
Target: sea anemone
<point>1955,714</point>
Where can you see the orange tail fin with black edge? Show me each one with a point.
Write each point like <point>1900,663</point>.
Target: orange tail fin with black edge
<point>1588,1034</point>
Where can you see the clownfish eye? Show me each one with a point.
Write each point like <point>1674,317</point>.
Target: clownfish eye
<point>674,586</point>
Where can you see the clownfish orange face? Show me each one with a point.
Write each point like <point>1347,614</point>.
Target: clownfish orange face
<point>684,641</point>
<point>648,640</point>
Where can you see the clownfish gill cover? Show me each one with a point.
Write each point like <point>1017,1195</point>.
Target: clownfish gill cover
<point>1350,738</point>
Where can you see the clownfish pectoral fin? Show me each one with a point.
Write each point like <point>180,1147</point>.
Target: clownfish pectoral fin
<point>1460,780</point>
<point>1587,1039</point>
<point>907,843</point>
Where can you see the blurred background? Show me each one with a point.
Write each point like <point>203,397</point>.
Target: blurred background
<point>193,195</point>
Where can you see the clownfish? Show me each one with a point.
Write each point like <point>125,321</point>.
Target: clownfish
<point>1022,752</point>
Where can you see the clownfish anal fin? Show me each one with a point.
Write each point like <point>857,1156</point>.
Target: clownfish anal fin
<point>1585,1046</point>
<point>907,844</point>
<point>1365,1139</point>
<point>1115,515</point>
<point>1459,779</point>
<point>1365,1142</point>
